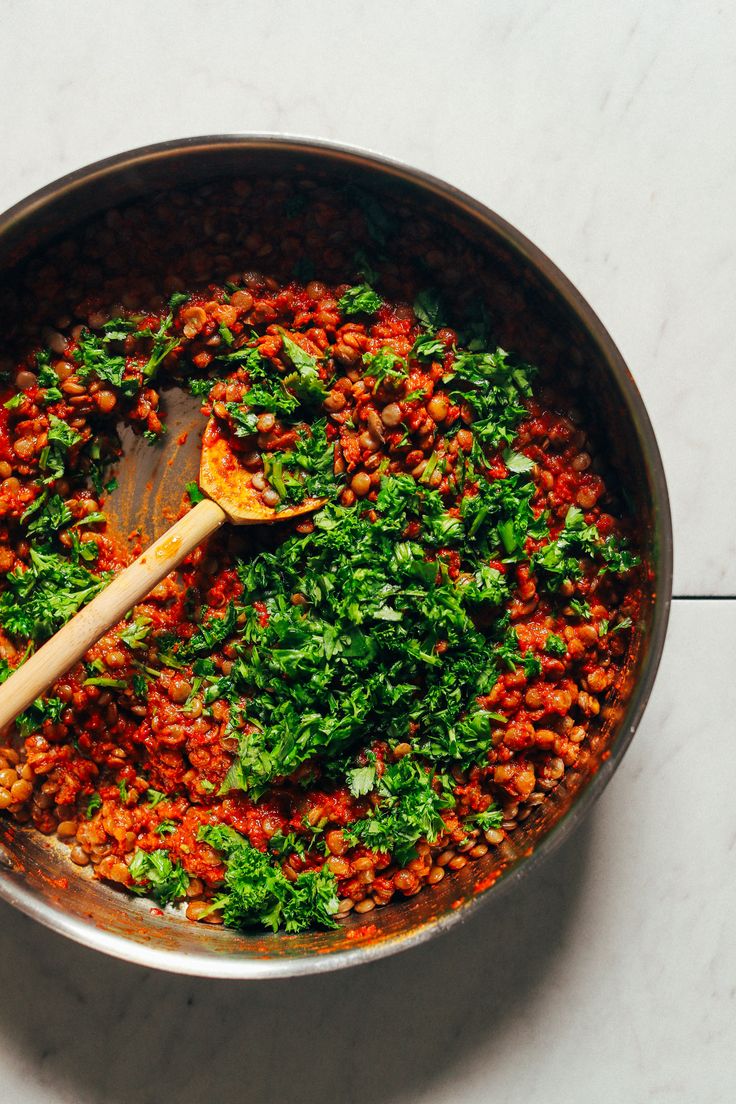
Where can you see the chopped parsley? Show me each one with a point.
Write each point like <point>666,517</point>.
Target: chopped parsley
<point>212,634</point>
<point>489,818</point>
<point>258,893</point>
<point>495,387</point>
<point>47,377</point>
<point>194,493</point>
<point>307,470</point>
<point>60,439</point>
<point>135,632</point>
<point>558,561</point>
<point>386,639</point>
<point>164,342</point>
<point>305,380</point>
<point>554,645</point>
<point>140,686</point>
<point>200,387</point>
<point>46,515</point>
<point>155,797</point>
<point>94,360</point>
<point>385,365</point>
<point>361,780</point>
<point>94,803</point>
<point>427,347</point>
<point>580,608</point>
<point>39,711</point>
<point>158,874</point>
<point>412,802</point>
<point>359,300</point>
<point>40,598</point>
<point>516,461</point>
<point>428,309</point>
<point>604,626</point>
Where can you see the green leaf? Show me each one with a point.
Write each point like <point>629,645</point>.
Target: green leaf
<point>136,632</point>
<point>61,434</point>
<point>301,360</point>
<point>305,381</point>
<point>307,470</point>
<point>46,515</point>
<point>140,686</point>
<point>258,894</point>
<point>95,361</point>
<point>555,645</point>
<point>42,597</point>
<point>428,309</point>
<point>517,462</point>
<point>248,357</point>
<point>195,494</point>
<point>94,803</point>
<point>489,818</point>
<point>154,437</point>
<point>361,780</point>
<point>385,365</point>
<point>39,711</point>
<point>617,557</point>
<point>559,560</point>
<point>427,347</point>
<point>495,386</point>
<point>211,634</point>
<point>155,797</point>
<point>47,377</point>
<point>604,626</point>
<point>359,300</point>
<point>163,878</point>
<point>200,387</point>
<point>410,810</point>
<point>580,608</point>
<point>164,342</point>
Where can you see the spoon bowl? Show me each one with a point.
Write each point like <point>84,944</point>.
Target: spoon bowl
<point>225,479</point>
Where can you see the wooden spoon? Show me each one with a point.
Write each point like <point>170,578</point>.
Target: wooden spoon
<point>231,497</point>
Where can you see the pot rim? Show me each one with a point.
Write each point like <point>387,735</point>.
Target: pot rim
<point>235,966</point>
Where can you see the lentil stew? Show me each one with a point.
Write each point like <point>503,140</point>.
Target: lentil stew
<point>377,695</point>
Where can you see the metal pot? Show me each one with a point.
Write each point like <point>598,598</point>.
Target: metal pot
<point>34,872</point>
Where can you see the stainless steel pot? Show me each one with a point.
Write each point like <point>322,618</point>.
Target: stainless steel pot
<point>34,873</point>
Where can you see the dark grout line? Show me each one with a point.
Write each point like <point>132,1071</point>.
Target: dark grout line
<point>704,597</point>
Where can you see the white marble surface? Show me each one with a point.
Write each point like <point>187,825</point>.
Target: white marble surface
<point>608,978</point>
<point>605,132</point>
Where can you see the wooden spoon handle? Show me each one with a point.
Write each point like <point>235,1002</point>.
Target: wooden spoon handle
<point>71,642</point>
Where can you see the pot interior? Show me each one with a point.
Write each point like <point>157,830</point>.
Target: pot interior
<point>420,232</point>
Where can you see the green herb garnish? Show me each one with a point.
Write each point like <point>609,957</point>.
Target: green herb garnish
<point>163,878</point>
<point>359,300</point>
<point>258,893</point>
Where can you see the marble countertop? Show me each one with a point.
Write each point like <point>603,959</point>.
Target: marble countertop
<point>604,131</point>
